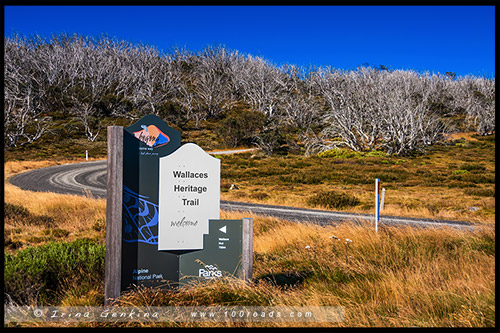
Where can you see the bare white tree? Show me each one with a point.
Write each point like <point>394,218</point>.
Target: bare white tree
<point>213,81</point>
<point>91,78</point>
<point>371,109</point>
<point>24,117</point>
<point>408,125</point>
<point>95,72</point>
<point>260,84</point>
<point>477,97</point>
<point>299,101</point>
<point>356,104</point>
<point>154,81</point>
<point>186,94</point>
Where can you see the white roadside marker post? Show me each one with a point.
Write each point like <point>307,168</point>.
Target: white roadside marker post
<point>86,155</point>
<point>382,200</point>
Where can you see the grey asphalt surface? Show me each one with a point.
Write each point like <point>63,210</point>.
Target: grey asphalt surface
<point>90,178</point>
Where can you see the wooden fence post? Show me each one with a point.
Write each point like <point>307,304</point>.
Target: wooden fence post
<point>247,254</point>
<point>112,277</point>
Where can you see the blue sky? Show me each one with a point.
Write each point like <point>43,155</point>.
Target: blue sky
<point>458,39</point>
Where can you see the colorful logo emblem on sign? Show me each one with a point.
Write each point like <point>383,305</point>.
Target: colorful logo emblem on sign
<point>152,136</point>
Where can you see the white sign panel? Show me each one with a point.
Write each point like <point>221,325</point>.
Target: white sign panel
<point>189,195</point>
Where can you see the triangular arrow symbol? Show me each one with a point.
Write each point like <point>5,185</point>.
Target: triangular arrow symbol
<point>223,229</point>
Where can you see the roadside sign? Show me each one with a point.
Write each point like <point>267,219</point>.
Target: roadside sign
<point>163,213</point>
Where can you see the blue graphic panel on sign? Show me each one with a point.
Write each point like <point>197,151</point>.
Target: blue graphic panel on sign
<point>140,215</point>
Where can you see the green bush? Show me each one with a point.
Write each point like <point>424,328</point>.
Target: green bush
<point>347,153</point>
<point>272,140</point>
<point>41,274</point>
<point>376,153</point>
<point>339,153</point>
<point>240,126</point>
<point>172,113</point>
<point>332,199</point>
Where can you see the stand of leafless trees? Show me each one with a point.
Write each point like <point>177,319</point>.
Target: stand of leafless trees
<point>373,110</point>
<point>86,79</point>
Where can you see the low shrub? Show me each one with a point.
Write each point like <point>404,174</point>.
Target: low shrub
<point>339,153</point>
<point>347,153</point>
<point>332,199</point>
<point>390,176</point>
<point>225,186</point>
<point>472,166</point>
<point>459,184</point>
<point>15,211</point>
<point>240,126</point>
<point>479,178</point>
<point>16,214</point>
<point>259,195</point>
<point>376,153</point>
<point>304,178</point>
<point>42,274</point>
<point>300,165</point>
<point>55,232</point>
<point>480,192</point>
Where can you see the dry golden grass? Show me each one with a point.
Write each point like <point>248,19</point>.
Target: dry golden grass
<point>399,277</point>
<point>74,209</point>
<point>461,135</point>
<point>78,215</point>
<point>409,202</point>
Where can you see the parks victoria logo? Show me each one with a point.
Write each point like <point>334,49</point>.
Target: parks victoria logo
<point>209,272</point>
<point>152,136</point>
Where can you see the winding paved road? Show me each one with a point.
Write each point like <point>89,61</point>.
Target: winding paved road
<point>79,178</point>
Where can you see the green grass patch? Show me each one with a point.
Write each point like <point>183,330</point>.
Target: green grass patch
<point>347,153</point>
<point>43,274</point>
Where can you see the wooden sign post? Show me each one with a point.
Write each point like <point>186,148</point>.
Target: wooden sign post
<point>112,268</point>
